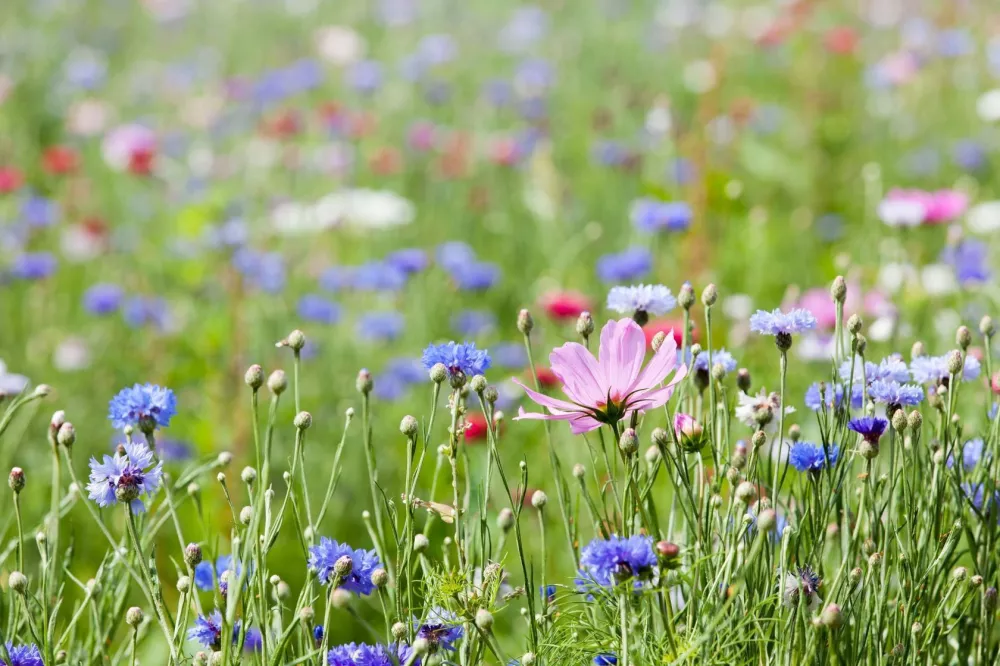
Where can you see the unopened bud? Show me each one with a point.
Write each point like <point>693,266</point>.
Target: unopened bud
<point>685,297</point>
<point>484,619</point>
<point>340,598</point>
<point>296,340</point>
<point>409,426</point>
<point>767,520</point>
<point>831,616</point>
<point>579,470</point>
<point>246,515</point>
<point>658,340</point>
<point>709,295</point>
<point>18,582</point>
<point>976,581</point>
<point>855,575</point>
<point>249,475</point>
<point>379,578</point>
<point>917,350</point>
<point>528,659</point>
<point>183,584</point>
<point>307,614</point>
<point>963,337</point>
<point>133,616</point>
<point>838,290</point>
<point>899,421</point>
<point>254,376</point>
<point>420,543</point>
<point>303,420</point>
<point>505,519</point>
<point>746,493</point>
<point>854,324</point>
<point>584,325</point>
<point>66,435</point>
<point>438,373</point>
<point>860,343</point>
<point>398,631</point>
<point>277,382</point>
<point>16,480</point>
<point>629,442</point>
<point>524,322</point>
<point>539,499</point>
<point>915,421</point>
<point>986,326</point>
<point>959,574</point>
<point>759,439</point>
<point>364,383</point>
<point>652,455</point>
<point>477,384</point>
<point>955,362</point>
<point>794,432</point>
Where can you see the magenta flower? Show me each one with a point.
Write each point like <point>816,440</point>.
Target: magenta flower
<point>606,390</point>
<point>940,206</point>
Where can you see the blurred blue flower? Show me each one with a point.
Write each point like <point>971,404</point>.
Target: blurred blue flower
<point>610,153</point>
<point>475,276</point>
<point>830,227</point>
<point>970,259</point>
<point>85,68</point>
<point>930,369</point>
<point>534,76</point>
<point>437,49</point>
<point>34,265</point>
<point>809,457</point>
<point>815,394</point>
<point>720,356</point>
<point>977,495</point>
<point>38,211</point>
<point>336,278</point>
<point>389,387</point>
<point>605,659</point>
<point>955,42</point>
<point>651,215</point>
<point>407,369</point>
<point>24,655</point>
<point>102,299</point>
<point>380,326</point>
<point>313,307</point>
<point>378,276</point>
<point>471,323</point>
<point>206,575</point>
<point>498,92</point>
<point>972,453</point>
<point>408,260</point>
<point>323,557</point>
<point>625,266</point>
<point>365,76</point>
<point>454,254</point>
<point>263,270</point>
<point>142,310</point>
<point>969,155</point>
<point>510,355</point>
<point>395,13</point>
<point>527,26</point>
<point>681,171</point>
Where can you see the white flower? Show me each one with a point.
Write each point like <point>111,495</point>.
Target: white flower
<point>761,410</point>
<point>881,329</point>
<point>893,276</point>
<point>366,209</point>
<point>901,212</point>
<point>88,117</point>
<point>292,218</point>
<point>71,355</point>
<point>938,279</point>
<point>699,76</point>
<point>80,244</point>
<point>11,383</point>
<point>737,306</point>
<point>815,347</point>
<point>988,106</point>
<point>984,218</point>
<point>339,45</point>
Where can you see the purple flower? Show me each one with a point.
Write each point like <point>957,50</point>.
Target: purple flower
<point>23,655</point>
<point>441,629</point>
<point>437,49</point>
<point>931,369</point>
<point>626,266</point>
<point>453,254</point>
<point>380,326</point>
<point>207,631</point>
<point>970,259</point>
<point>408,260</point>
<point>457,357</point>
<point>498,92</point>
<point>809,457</point>
<point>869,427</point>
<point>313,307</point>
<point>126,477</point>
<point>389,387</point>
<point>969,155</point>
<point>359,654</point>
<point>895,394</point>
<point>142,310</point>
<point>262,270</point>
<point>142,405</point>
<point>470,323</point>
<point>833,394</point>
<point>475,275</point>
<point>614,560</point>
<point>34,266</point>
<point>39,211</point>
<point>377,276</point>
<point>253,641</point>
<point>777,322</point>
<point>972,453</point>
<point>102,299</point>
<point>324,556</point>
<point>651,215</point>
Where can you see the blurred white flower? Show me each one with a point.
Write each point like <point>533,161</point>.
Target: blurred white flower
<point>945,323</point>
<point>901,212</point>
<point>88,117</point>
<point>881,329</point>
<point>202,111</point>
<point>737,306</point>
<point>658,120</point>
<point>262,154</point>
<point>339,45</point>
<point>814,347</point>
<point>78,243</point>
<point>893,276</point>
<point>699,76</point>
<point>366,209</point>
<point>938,279</point>
<point>984,218</point>
<point>988,106</point>
<point>11,383</point>
<point>295,218</point>
<point>71,355</point>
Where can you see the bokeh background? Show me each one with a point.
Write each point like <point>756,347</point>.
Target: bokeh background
<point>182,183</point>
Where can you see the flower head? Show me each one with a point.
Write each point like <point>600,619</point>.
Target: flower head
<point>929,369</point>
<point>777,322</point>
<point>809,457</point>
<point>607,562</point>
<point>819,393</point>
<point>126,477</point>
<point>802,585</point>
<point>869,427</point>
<point>102,299</point>
<point>142,406</point>
<point>607,389</point>
<point>23,655</point>
<point>720,356</point>
<point>970,259</point>
<point>315,308</point>
<point>441,629</point>
<point>457,357</point>
<point>759,410</point>
<point>358,654</point>
<point>380,326</point>
<point>34,266</point>
<point>972,454</point>
<point>205,575</point>
<point>895,394</point>
<point>207,631</point>
<point>323,557</point>
<point>650,215</point>
<point>640,301</point>
<point>891,368</point>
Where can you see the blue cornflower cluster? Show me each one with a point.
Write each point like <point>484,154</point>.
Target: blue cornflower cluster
<point>206,575</point>
<point>608,562</point>
<point>369,276</point>
<point>810,457</point>
<point>145,406</point>
<point>720,356</point>
<point>323,557</point>
<point>641,300</point>
<point>631,264</point>
<point>261,270</point>
<point>650,215</point>
<point>870,428</point>
<point>126,477</point>
<point>23,655</point>
<point>895,394</point>
<point>457,357</point>
<point>460,262</point>
<point>931,369</point>
<point>972,454</point>
<point>891,369</point>
<point>358,654</point>
<point>207,631</point>
<point>441,629</point>
<point>777,322</point>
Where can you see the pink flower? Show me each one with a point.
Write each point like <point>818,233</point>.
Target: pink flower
<point>685,425</point>
<point>608,389</point>
<point>937,207</point>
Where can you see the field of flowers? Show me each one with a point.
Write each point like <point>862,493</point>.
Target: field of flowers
<point>423,332</point>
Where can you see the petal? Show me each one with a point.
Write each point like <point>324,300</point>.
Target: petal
<point>623,349</point>
<point>663,361</point>
<point>583,424</point>
<point>659,396</point>
<point>554,404</point>
<point>579,373</point>
<point>538,416</point>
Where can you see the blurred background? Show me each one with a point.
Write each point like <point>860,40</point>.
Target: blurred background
<point>182,183</point>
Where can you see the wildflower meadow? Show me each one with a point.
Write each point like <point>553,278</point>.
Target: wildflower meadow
<point>421,332</point>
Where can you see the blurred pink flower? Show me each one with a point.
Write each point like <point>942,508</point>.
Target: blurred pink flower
<point>940,206</point>
<point>127,144</point>
<point>608,389</point>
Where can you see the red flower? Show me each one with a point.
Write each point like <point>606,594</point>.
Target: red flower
<point>666,325</point>
<point>841,40</point>
<point>475,426</point>
<point>386,161</point>
<point>140,162</point>
<point>59,160</point>
<point>563,305</point>
<point>283,126</point>
<point>10,179</point>
<point>995,383</point>
<point>546,378</point>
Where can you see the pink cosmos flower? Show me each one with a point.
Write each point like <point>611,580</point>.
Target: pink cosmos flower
<point>940,206</point>
<point>608,389</point>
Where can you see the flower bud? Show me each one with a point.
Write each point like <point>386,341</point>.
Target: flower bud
<point>652,455</point>
<point>759,439</point>
<point>579,471</point>
<point>875,559</point>
<point>709,295</point>
<point>42,390</point>
<point>838,290</point>
<point>743,380</point>
<point>524,322</point>
<point>438,373</point>
<point>794,432</point>
<point>658,341</point>
<point>133,616</point>
<point>225,457</point>
<point>16,480</point>
<point>477,384</point>
<point>303,420</point>
<point>58,418</point>
<point>718,372</point>
<point>746,493</point>
<point>899,421</point>
<point>955,362</point>
<point>660,437</point>
<point>963,337</point>
<point>18,582</point>
<point>986,326</point>
<point>685,296</point>
<point>959,574</point>
<point>398,631</point>
<point>976,581</point>
<point>183,584</point>
<point>860,343</point>
<point>66,435</point>
<point>246,515</point>
<point>277,382</point>
<point>484,619</point>
<point>254,376</point>
<point>868,450</point>
<point>193,489</point>
<point>282,590</point>
<point>491,395</point>
<point>915,421</point>
<point>457,379</point>
<point>831,616</point>
<point>192,555</point>
<point>528,659</point>
<point>221,478</point>
<point>917,350</point>
<point>409,426</point>
<point>505,519</point>
<point>249,475</point>
<point>340,598</point>
<point>733,475</point>
<point>767,520</point>
<point>296,340</point>
<point>855,324</point>
<point>307,614</point>
<point>364,383</point>
<point>990,600</point>
<point>343,566</point>
<point>584,325</point>
<point>379,578</point>
<point>629,442</point>
<point>539,499</point>
<point>854,576</point>
<point>420,543</point>
<point>216,659</point>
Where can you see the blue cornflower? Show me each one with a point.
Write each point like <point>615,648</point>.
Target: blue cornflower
<point>549,592</point>
<point>253,641</point>
<point>457,357</point>
<point>470,323</point>
<point>365,76</point>
<point>453,254</point>
<point>929,369</point>
<point>172,450</point>
<point>389,387</point>
<point>809,457</point>
<point>23,655</point>
<point>815,394</point>
<point>33,265</point>
<point>611,561</point>
<point>406,369</point>
<point>972,453</point>
<point>970,259</point>
<point>639,301</point>
<point>144,406</point>
<point>378,276</point>
<point>510,355</point>
<point>205,575</point>
<point>977,495</point>
<point>992,414</point>
<point>141,310</point>
<point>318,633</point>
<point>207,630</point>
<point>777,322</point>
<point>380,326</point>
<point>894,393</point>
<point>605,659</point>
<point>475,275</point>
<point>336,278</point>
<point>102,299</point>
<point>313,307</point>
<point>408,260</point>
<point>720,356</point>
<point>358,654</point>
<point>891,368</point>
<point>262,270</point>
<point>650,215</point>
<point>126,477</point>
<point>324,556</point>
<point>39,212</point>
<point>631,264</point>
<point>869,427</point>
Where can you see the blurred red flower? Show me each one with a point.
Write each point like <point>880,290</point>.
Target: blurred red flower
<point>58,160</point>
<point>666,325</point>
<point>842,40</point>
<point>565,304</point>
<point>10,179</point>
